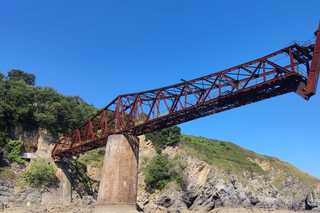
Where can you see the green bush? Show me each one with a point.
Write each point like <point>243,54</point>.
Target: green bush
<point>40,174</point>
<point>14,148</point>
<point>165,137</point>
<point>162,171</point>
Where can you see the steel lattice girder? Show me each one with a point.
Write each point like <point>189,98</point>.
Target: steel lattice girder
<point>287,70</point>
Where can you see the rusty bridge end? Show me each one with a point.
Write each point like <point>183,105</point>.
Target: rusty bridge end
<point>315,67</point>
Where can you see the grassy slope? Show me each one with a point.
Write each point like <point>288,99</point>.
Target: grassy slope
<point>233,158</point>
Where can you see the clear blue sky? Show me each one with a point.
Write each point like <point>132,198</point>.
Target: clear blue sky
<point>101,49</point>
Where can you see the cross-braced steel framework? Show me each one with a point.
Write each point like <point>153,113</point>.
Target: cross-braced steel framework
<point>292,69</point>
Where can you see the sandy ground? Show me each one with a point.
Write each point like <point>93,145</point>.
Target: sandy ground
<point>37,209</point>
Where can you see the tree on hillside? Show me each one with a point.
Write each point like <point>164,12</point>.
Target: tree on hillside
<point>35,106</point>
<point>17,75</point>
<point>162,170</point>
<point>1,76</point>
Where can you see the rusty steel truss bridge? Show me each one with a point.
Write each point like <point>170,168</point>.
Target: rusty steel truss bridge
<point>294,68</point>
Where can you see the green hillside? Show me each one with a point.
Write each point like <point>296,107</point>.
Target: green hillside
<point>233,158</point>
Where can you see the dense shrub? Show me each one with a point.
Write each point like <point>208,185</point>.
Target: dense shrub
<point>162,171</point>
<point>165,137</point>
<point>14,148</point>
<point>40,174</point>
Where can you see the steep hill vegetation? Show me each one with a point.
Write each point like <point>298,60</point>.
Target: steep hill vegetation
<point>222,154</point>
<point>233,158</point>
<point>21,102</point>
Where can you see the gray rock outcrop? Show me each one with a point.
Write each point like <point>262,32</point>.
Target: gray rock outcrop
<point>6,190</point>
<point>37,141</point>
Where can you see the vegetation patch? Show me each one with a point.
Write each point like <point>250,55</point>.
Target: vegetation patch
<point>93,157</point>
<point>294,194</point>
<point>288,170</point>
<point>233,158</point>
<point>7,173</point>
<point>145,160</point>
<point>224,155</point>
<point>162,171</point>
<point>14,148</point>
<point>251,190</point>
<point>165,137</point>
<point>35,106</point>
<point>40,174</point>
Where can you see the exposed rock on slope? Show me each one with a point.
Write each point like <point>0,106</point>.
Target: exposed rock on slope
<point>37,140</point>
<point>209,187</point>
<point>6,190</point>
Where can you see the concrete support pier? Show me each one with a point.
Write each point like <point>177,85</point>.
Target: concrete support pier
<point>62,194</point>
<point>119,177</point>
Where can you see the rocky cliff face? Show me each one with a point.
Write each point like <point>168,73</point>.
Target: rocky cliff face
<point>37,141</point>
<point>208,188</point>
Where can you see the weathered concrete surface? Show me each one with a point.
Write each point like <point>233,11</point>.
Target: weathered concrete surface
<point>62,194</point>
<point>119,177</point>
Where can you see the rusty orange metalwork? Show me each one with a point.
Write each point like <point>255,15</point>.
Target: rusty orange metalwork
<point>292,69</point>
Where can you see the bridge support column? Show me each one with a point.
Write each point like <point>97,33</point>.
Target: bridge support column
<point>62,194</point>
<point>119,177</point>
<point>65,185</point>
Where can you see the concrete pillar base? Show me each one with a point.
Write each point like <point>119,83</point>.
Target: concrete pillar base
<point>115,209</point>
<point>119,176</point>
